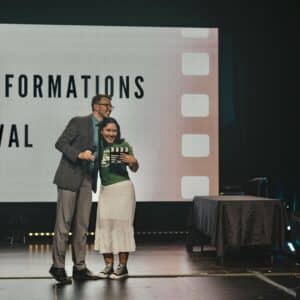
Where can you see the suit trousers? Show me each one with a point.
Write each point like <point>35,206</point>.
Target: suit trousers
<point>72,213</point>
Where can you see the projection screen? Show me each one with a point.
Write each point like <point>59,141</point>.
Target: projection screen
<point>164,85</point>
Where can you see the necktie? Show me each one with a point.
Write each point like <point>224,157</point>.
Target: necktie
<point>98,159</point>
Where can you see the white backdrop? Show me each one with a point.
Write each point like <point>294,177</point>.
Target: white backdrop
<point>169,114</point>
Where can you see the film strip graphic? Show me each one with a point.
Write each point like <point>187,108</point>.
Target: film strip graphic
<point>199,111</point>
<point>184,136</point>
<point>196,167</point>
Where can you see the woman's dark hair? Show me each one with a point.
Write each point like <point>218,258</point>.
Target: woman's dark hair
<point>109,120</point>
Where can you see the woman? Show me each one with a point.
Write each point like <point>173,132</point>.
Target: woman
<point>116,206</point>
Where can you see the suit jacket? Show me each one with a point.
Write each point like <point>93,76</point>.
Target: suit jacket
<point>77,137</point>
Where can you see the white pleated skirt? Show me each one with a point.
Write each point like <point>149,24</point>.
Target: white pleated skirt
<point>115,216</point>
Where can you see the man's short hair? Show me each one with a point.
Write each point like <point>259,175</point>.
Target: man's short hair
<point>96,99</point>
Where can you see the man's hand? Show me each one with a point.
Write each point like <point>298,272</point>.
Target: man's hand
<point>86,155</point>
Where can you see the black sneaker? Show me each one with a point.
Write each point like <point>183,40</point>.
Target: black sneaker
<point>60,275</point>
<point>121,272</point>
<point>84,274</point>
<point>105,273</point>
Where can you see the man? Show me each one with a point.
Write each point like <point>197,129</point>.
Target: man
<point>76,178</point>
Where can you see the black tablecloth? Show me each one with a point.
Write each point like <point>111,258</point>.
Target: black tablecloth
<point>237,221</point>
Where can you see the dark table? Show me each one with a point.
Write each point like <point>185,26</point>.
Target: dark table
<point>234,221</point>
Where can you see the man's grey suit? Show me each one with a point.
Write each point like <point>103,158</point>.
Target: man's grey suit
<point>75,183</point>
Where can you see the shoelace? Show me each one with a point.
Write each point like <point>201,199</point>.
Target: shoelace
<point>119,269</point>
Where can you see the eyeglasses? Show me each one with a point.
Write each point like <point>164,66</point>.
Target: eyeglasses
<point>107,105</point>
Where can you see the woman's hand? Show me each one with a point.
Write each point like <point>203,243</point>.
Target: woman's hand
<point>130,160</point>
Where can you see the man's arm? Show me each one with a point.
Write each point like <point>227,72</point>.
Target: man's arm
<point>64,142</point>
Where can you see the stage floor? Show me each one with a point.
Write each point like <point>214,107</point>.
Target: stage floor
<point>158,270</point>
